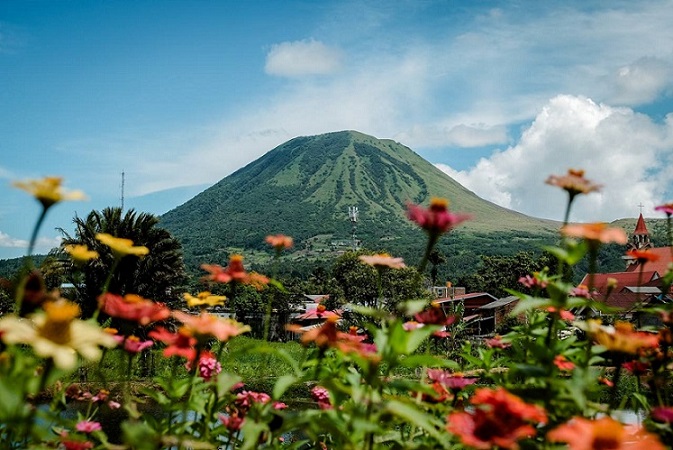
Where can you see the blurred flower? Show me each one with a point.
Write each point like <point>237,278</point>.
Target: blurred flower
<point>497,342</point>
<point>76,445</point>
<point>321,396</point>
<point>666,208</point>
<point>453,381</point>
<point>383,260</point>
<point>204,326</point>
<point>603,433</point>
<point>597,232</point>
<point>573,182</point>
<point>88,426</point>
<point>643,256</point>
<point>434,315</point>
<point>133,344</point>
<point>499,419</point>
<point>535,281</point>
<point>324,336</point>
<point>232,421</point>
<point>134,308</point>
<point>48,190</point>
<point>581,291</point>
<point>56,333</point>
<point>605,381</point>
<point>234,273</point>
<point>209,366</point>
<point>279,242</point>
<point>621,337</point>
<point>436,219</point>
<point>563,364</point>
<point>663,414</point>
<point>245,400</point>
<point>204,298</point>
<point>121,247</point>
<point>636,367</point>
<point>181,343</point>
<point>80,253</point>
<point>563,314</point>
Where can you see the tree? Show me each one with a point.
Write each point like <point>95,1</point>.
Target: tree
<point>157,276</point>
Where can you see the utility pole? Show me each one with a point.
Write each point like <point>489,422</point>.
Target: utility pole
<point>353,216</point>
<point>122,191</point>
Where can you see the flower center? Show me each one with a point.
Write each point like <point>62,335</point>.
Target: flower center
<point>60,315</point>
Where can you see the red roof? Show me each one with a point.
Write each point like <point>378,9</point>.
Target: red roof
<point>641,228</point>
<point>623,279</point>
<point>660,266</point>
<point>314,314</point>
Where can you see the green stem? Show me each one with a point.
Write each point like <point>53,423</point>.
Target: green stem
<point>33,238</point>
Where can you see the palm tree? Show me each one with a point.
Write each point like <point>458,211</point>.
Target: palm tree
<point>157,276</point>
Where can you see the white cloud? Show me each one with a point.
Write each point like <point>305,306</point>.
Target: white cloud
<point>642,81</point>
<point>460,135</point>
<point>623,150</point>
<point>300,58</point>
<point>8,241</point>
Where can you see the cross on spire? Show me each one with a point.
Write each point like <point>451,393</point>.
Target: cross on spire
<point>641,206</point>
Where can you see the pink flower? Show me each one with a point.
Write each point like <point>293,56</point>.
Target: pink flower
<point>133,308</point>
<point>279,405</point>
<point>436,219</point>
<point>246,399</point>
<point>232,421</point>
<point>321,396</point>
<point>497,342</point>
<point>533,281</point>
<point>133,344</point>
<point>667,208</point>
<point>88,426</point>
<point>209,366</point>
<point>662,414</point>
<point>113,405</point>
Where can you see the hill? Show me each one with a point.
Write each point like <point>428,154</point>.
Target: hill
<point>304,187</point>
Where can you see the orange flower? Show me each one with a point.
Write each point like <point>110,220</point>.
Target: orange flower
<point>563,364</point>
<point>383,260</point>
<point>596,232</point>
<point>205,326</point>
<point>499,419</point>
<point>573,182</point>
<point>436,219</point>
<point>234,273</point>
<point>604,433</point>
<point>279,242</point>
<point>177,344</point>
<point>327,335</point>
<point>134,308</point>
<point>563,314</point>
<point>621,337</point>
<point>643,256</point>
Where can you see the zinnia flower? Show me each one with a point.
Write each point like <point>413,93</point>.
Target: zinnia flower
<point>621,337</point>
<point>88,426</point>
<point>80,253</point>
<point>120,246</point>
<point>204,326</point>
<point>666,208</point>
<point>596,232</point>
<point>279,242</point>
<point>663,414</point>
<point>57,334</point>
<point>234,273</point>
<point>133,344</point>
<point>208,365</point>
<point>177,344</point>
<point>573,182</point>
<point>499,419</point>
<point>48,191</point>
<point>321,396</point>
<point>643,256</point>
<point>563,364</point>
<point>383,260</point>
<point>436,219</point>
<point>204,298</point>
<point>134,308</point>
<point>604,433</point>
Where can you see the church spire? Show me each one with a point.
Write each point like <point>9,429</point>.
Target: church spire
<point>640,239</point>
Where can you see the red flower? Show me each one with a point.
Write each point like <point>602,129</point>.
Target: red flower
<point>436,219</point>
<point>604,433</point>
<point>234,273</point>
<point>636,367</point>
<point>134,308</point>
<point>498,419</point>
<point>563,364</point>
<point>434,315</point>
<point>563,314</point>
<point>178,344</point>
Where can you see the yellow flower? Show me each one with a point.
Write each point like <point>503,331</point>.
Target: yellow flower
<point>48,190</point>
<point>120,246</point>
<point>56,333</point>
<point>80,253</point>
<point>204,298</point>
<point>621,337</point>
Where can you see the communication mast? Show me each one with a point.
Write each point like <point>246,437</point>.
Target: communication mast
<point>353,216</point>
<point>122,191</point>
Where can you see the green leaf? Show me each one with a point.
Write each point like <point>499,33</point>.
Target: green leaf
<point>282,384</point>
<point>416,417</point>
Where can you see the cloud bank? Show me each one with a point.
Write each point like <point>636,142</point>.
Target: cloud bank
<point>626,152</point>
<point>300,58</point>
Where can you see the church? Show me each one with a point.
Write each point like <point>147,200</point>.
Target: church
<point>641,282</point>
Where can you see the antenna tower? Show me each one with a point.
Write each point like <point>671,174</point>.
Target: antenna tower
<point>122,191</point>
<point>353,216</point>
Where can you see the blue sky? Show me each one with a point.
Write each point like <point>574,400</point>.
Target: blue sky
<point>179,93</point>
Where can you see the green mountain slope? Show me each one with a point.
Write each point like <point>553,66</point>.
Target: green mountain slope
<point>303,188</point>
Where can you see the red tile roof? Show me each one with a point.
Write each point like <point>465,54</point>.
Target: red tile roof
<point>623,279</point>
<point>641,228</point>
<point>660,265</point>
